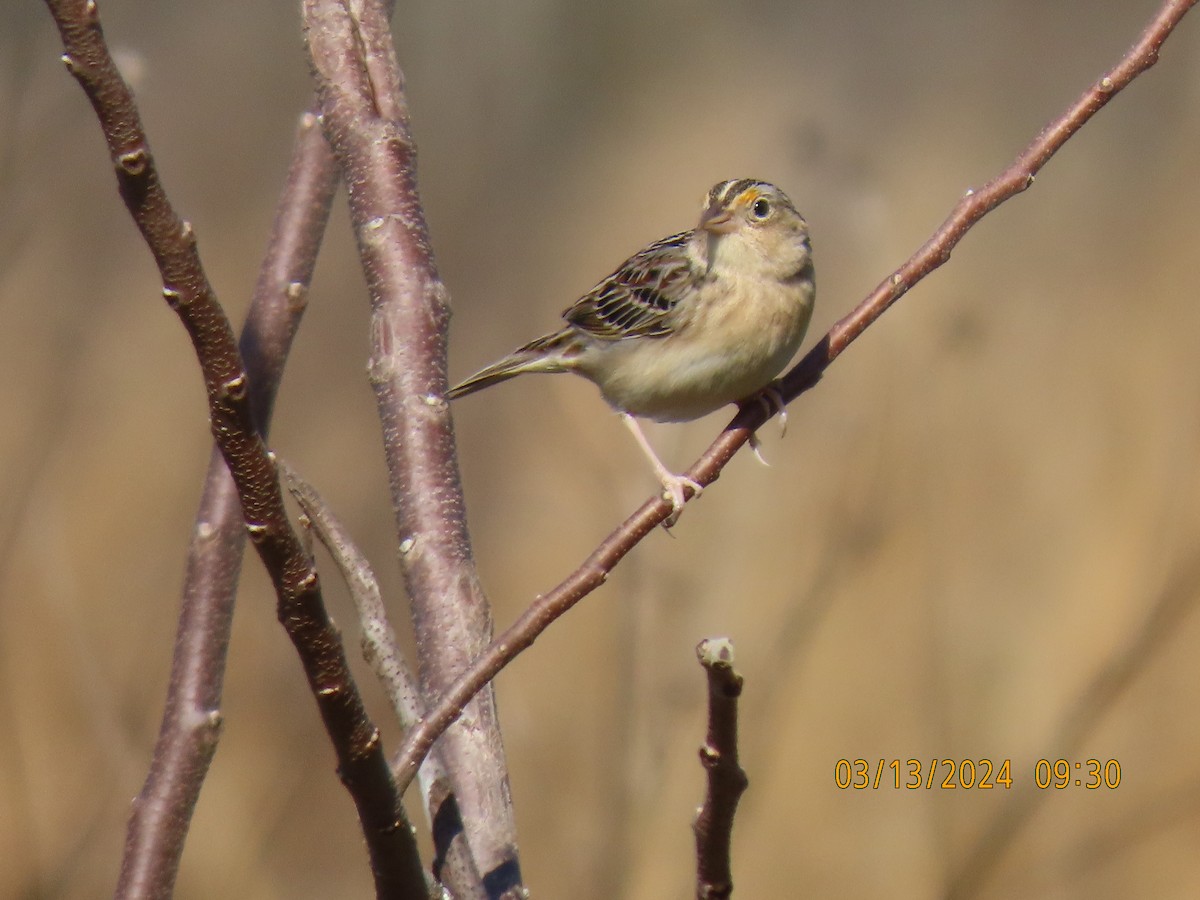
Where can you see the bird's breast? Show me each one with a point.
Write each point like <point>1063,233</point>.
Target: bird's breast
<point>726,345</point>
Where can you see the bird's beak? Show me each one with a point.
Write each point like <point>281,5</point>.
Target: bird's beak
<point>717,220</point>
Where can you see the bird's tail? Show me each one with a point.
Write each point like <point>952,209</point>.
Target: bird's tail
<point>548,354</point>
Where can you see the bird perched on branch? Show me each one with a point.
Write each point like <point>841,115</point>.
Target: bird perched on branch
<point>691,323</point>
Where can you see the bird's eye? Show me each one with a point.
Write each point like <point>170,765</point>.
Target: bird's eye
<point>761,208</point>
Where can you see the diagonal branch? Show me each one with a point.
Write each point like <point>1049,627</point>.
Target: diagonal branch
<point>188,735</point>
<point>803,376</point>
<point>365,116</point>
<point>363,768</point>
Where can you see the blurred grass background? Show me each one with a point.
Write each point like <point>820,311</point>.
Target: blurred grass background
<point>970,520</point>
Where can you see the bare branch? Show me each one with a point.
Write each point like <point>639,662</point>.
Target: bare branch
<point>804,375</point>
<point>362,766</point>
<point>188,734</point>
<point>380,647</point>
<point>366,121</point>
<point>726,779</point>
<point>453,863</point>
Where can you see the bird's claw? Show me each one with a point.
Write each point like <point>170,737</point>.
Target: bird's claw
<point>756,449</point>
<point>673,487</point>
<point>772,399</point>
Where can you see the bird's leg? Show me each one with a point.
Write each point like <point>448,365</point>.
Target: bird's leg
<point>673,484</point>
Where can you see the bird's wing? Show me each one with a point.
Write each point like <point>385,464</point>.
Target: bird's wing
<point>638,298</point>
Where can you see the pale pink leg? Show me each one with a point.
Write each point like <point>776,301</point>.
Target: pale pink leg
<point>672,484</point>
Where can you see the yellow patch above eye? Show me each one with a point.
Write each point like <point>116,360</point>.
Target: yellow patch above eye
<point>748,196</point>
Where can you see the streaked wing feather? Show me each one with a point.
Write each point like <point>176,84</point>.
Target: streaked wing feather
<point>638,298</point>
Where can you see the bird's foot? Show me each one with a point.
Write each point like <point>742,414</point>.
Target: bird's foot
<point>673,490</point>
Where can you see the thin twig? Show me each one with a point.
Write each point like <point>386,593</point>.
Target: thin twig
<point>453,864</point>
<point>379,644</point>
<point>395,862</point>
<point>365,117</point>
<point>803,376</point>
<point>726,779</point>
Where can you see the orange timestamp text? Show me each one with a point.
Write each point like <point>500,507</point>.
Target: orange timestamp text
<point>972,774</point>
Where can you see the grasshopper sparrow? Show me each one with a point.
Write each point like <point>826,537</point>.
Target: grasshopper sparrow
<point>693,322</point>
